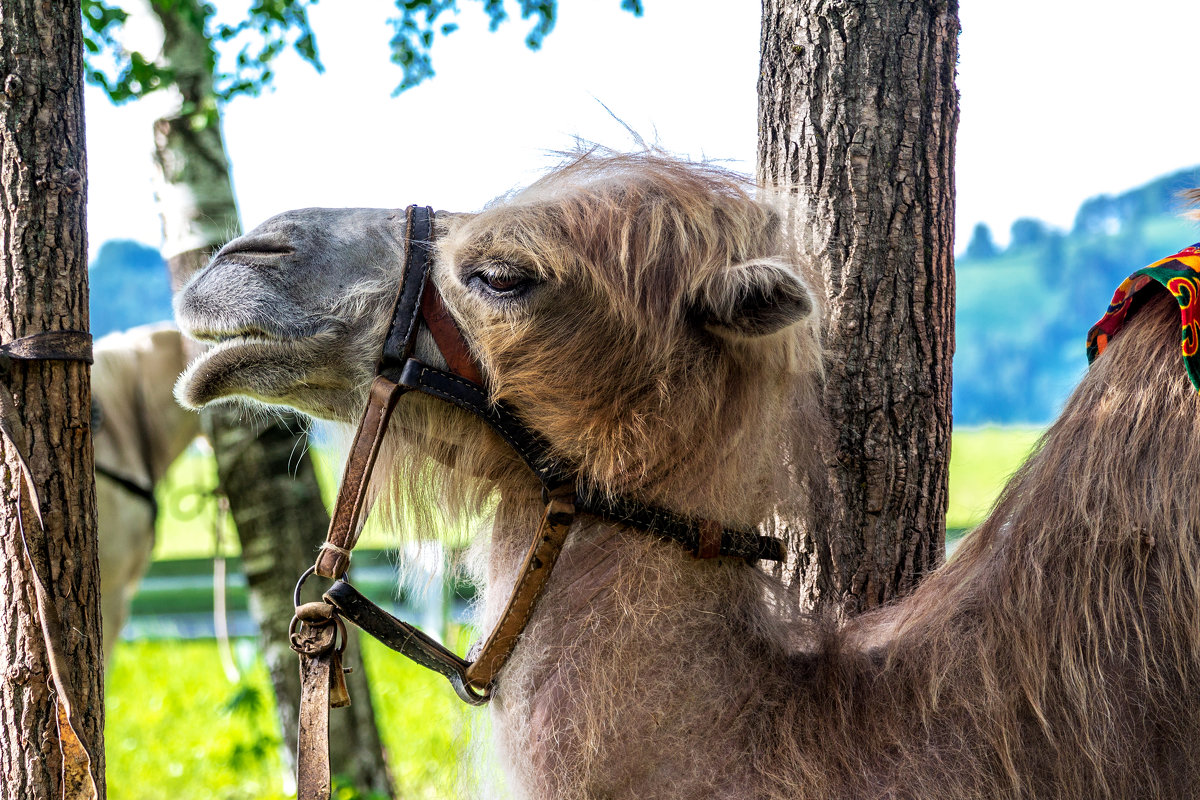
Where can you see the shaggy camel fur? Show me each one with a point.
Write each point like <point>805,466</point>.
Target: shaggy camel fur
<point>648,318</point>
<point>141,431</point>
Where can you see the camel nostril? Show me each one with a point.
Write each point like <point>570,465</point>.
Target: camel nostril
<point>257,246</point>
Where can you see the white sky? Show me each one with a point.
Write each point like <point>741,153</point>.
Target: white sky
<point>1061,100</point>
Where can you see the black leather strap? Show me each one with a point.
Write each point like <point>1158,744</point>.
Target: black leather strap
<point>145,493</point>
<point>531,447</point>
<point>535,452</point>
<point>401,338</point>
<point>402,637</point>
<point>676,527</point>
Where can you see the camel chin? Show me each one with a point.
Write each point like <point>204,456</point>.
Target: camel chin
<point>294,374</point>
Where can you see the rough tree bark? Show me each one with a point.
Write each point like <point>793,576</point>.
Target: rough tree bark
<point>264,470</point>
<point>43,247</point>
<point>857,118</point>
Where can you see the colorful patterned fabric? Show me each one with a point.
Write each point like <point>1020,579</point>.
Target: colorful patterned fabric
<point>1180,275</point>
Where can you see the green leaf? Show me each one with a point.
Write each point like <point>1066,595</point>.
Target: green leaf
<point>413,32</point>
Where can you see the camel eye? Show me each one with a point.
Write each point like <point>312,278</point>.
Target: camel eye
<point>500,280</point>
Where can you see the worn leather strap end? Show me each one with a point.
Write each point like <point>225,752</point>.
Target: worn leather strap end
<point>531,581</point>
<point>48,346</point>
<point>315,645</point>
<point>352,503</point>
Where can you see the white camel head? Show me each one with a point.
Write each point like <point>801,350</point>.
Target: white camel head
<point>637,311</point>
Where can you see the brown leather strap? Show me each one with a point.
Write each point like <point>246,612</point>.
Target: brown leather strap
<point>49,346</point>
<point>353,501</point>
<point>531,580</point>
<point>315,646</point>
<point>447,335</point>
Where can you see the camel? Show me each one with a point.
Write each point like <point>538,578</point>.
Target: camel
<point>138,431</point>
<point>651,320</point>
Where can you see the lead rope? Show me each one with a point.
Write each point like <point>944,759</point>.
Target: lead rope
<point>78,774</point>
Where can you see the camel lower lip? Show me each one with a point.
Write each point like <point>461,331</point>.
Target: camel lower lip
<point>292,372</point>
<point>247,335</point>
<point>224,344</point>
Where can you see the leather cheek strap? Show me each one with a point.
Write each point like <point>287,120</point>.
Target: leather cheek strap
<point>354,499</point>
<point>531,581</point>
<point>447,336</point>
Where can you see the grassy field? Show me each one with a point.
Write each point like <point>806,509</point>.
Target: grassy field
<point>981,462</point>
<point>178,730</point>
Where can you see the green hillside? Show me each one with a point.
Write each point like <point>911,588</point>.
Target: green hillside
<point>1023,313</point>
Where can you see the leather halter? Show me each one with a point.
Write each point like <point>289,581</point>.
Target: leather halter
<point>417,302</point>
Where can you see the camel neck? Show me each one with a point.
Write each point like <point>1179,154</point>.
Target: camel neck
<point>625,618</point>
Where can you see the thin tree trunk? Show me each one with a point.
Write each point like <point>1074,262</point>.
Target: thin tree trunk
<point>857,117</point>
<point>43,246</point>
<point>266,473</point>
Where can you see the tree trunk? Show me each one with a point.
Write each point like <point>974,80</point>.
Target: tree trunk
<point>857,117</point>
<point>43,246</point>
<point>266,473</point>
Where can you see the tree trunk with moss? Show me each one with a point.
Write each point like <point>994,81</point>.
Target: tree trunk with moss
<point>857,118</point>
<point>265,470</point>
<point>43,247</point>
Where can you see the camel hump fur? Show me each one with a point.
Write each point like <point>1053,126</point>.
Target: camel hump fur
<point>650,318</point>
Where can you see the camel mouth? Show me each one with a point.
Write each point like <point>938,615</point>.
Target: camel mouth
<point>293,372</point>
<point>253,335</point>
<point>219,337</point>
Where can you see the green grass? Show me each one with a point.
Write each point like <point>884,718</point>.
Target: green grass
<point>981,462</point>
<point>178,730</point>
<point>170,732</point>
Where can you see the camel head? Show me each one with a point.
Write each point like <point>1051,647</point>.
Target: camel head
<point>645,315</point>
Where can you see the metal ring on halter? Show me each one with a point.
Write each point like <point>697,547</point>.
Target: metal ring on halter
<point>300,585</point>
<point>469,694</point>
<point>292,626</point>
<point>308,573</point>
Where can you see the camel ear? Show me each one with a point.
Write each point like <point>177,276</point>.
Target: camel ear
<point>754,298</point>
